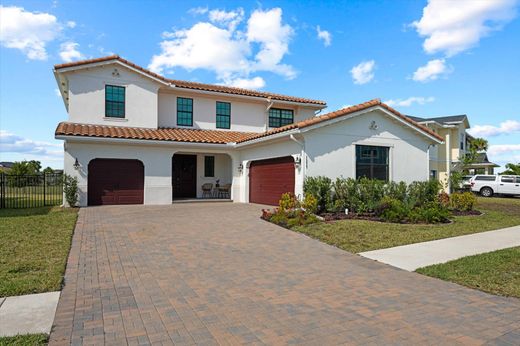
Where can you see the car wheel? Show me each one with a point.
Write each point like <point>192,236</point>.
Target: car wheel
<point>486,192</point>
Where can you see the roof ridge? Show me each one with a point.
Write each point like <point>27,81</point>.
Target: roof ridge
<point>193,85</point>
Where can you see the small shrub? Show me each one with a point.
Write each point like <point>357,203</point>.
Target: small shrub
<point>320,187</point>
<point>393,210</point>
<point>429,213</point>
<point>310,204</point>
<point>422,192</point>
<point>464,201</point>
<point>443,199</point>
<point>288,202</point>
<point>70,189</point>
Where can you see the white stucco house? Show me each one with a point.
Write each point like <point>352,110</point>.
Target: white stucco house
<point>133,136</point>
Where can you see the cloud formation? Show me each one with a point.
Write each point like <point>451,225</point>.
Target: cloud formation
<point>505,128</point>
<point>29,32</point>
<point>11,143</point>
<point>324,35</point>
<point>410,101</point>
<point>451,27</point>
<point>232,54</point>
<point>363,72</point>
<point>431,71</point>
<point>69,51</point>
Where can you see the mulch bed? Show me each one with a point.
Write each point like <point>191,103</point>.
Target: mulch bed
<point>466,213</point>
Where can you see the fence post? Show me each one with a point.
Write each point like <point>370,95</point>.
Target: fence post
<point>44,188</point>
<point>2,191</point>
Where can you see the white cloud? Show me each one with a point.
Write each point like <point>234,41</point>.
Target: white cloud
<point>410,101</point>
<point>57,92</point>
<point>452,27</point>
<point>71,24</point>
<point>230,19</point>
<point>245,83</point>
<point>324,35</point>
<point>198,10</point>
<point>69,51</point>
<point>505,128</point>
<point>27,31</point>
<point>500,149</point>
<point>363,72</point>
<point>11,143</point>
<point>431,71</point>
<point>232,54</point>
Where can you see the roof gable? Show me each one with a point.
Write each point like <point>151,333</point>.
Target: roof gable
<point>187,84</point>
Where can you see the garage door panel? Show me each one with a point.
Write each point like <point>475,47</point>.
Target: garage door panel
<point>269,179</point>
<point>114,181</point>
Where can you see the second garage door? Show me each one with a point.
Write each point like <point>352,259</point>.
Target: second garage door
<point>269,179</point>
<point>112,181</point>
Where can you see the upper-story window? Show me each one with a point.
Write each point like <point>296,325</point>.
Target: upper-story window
<point>462,140</point>
<point>114,101</point>
<point>280,117</point>
<point>184,111</point>
<point>223,115</point>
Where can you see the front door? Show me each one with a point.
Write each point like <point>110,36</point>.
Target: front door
<point>184,176</point>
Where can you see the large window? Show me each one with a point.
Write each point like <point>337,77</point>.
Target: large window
<point>372,162</point>
<point>280,117</point>
<point>209,166</point>
<point>114,101</point>
<point>184,111</point>
<point>223,115</point>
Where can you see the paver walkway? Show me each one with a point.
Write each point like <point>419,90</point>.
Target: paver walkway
<point>216,274</point>
<point>28,314</point>
<point>413,256</point>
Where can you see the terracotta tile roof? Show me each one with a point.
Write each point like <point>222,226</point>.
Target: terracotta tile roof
<point>340,113</point>
<point>161,134</point>
<point>194,85</point>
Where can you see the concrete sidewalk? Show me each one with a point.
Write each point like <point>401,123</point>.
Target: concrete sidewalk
<point>29,314</point>
<point>413,256</point>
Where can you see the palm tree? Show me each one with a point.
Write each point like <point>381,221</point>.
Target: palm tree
<point>479,145</point>
<point>512,169</point>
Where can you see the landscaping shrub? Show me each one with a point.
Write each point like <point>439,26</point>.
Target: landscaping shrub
<point>429,213</point>
<point>443,199</point>
<point>370,194</point>
<point>310,204</point>
<point>464,201</point>
<point>291,212</point>
<point>393,210</point>
<point>320,188</point>
<point>70,189</point>
<point>422,192</point>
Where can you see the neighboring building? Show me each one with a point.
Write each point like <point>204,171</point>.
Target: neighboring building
<point>5,166</point>
<point>482,165</point>
<point>446,157</point>
<point>136,137</point>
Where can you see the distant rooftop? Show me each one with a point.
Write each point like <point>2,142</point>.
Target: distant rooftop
<point>443,119</point>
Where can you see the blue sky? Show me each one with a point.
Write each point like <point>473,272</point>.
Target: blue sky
<point>425,58</point>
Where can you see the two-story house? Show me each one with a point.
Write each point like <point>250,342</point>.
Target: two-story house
<point>134,136</point>
<point>446,157</point>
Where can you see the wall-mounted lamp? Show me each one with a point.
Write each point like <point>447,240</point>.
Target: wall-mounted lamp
<point>298,161</point>
<point>76,164</point>
<point>240,168</point>
<point>373,125</point>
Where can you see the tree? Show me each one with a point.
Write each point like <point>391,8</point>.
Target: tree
<point>25,168</point>
<point>48,170</point>
<point>512,169</point>
<point>478,145</point>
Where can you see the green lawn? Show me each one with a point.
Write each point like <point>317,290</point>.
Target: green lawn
<point>33,249</point>
<point>25,340</point>
<point>358,236</point>
<point>495,272</point>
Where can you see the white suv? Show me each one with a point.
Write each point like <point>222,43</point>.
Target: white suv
<point>487,185</point>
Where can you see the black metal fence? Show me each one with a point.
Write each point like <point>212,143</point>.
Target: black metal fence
<point>30,191</point>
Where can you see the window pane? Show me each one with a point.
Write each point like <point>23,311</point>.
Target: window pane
<point>507,179</point>
<point>372,162</point>
<point>280,117</point>
<point>114,101</point>
<point>184,111</point>
<point>209,166</point>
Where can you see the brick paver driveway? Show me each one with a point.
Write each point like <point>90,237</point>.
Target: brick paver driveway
<point>214,273</point>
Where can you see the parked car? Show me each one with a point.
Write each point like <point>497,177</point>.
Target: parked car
<point>488,185</point>
<point>466,182</point>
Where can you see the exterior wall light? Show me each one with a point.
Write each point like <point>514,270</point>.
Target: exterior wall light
<point>298,161</point>
<point>240,168</point>
<point>76,164</point>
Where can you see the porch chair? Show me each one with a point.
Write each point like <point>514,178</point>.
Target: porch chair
<point>207,189</point>
<point>224,191</point>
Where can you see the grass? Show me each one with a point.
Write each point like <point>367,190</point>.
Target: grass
<point>358,235</point>
<point>495,272</point>
<point>27,339</point>
<point>33,249</point>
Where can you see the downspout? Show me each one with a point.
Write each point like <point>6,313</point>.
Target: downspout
<point>448,160</point>
<point>269,105</point>
<point>303,157</point>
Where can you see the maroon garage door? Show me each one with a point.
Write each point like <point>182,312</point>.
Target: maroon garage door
<point>112,181</point>
<point>269,179</point>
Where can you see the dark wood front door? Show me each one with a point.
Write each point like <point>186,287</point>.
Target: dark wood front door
<point>184,176</point>
<point>269,179</point>
<point>115,181</point>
